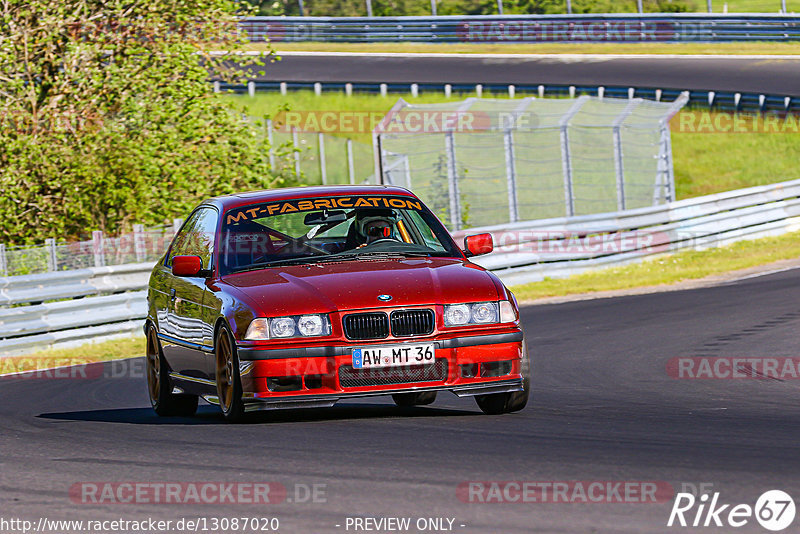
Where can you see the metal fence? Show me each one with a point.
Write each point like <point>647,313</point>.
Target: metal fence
<point>322,159</point>
<point>485,161</point>
<point>141,245</point>
<point>114,300</point>
<point>678,27</point>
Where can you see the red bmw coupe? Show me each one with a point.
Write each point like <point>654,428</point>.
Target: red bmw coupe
<point>302,297</point>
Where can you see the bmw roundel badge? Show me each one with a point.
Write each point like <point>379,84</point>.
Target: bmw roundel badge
<point>384,298</point>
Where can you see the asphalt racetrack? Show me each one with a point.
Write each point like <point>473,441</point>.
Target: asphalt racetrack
<point>603,409</point>
<point>760,75</point>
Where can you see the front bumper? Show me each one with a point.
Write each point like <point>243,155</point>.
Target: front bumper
<point>318,376</point>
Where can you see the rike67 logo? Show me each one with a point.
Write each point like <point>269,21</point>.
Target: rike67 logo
<point>774,510</point>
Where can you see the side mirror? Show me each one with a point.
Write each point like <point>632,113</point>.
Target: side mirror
<point>187,265</point>
<point>476,245</point>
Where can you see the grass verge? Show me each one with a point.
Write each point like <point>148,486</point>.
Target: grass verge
<point>116,349</point>
<point>664,270</point>
<point>737,49</point>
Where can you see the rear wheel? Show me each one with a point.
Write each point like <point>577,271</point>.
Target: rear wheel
<point>414,399</point>
<point>162,399</point>
<point>229,383</point>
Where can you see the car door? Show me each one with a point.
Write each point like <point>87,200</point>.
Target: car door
<point>188,348</point>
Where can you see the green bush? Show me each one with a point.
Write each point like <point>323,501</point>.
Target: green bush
<point>107,117</point>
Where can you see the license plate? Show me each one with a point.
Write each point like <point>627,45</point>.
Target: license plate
<point>393,356</point>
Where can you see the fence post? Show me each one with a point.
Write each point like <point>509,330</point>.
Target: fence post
<point>452,181</point>
<point>3,260</point>
<point>619,166</point>
<point>251,88</point>
<point>499,7</point>
<point>296,151</point>
<point>665,176</point>
<point>433,8</point>
<point>511,174</point>
<point>566,157</point>
<point>97,249</point>
<point>569,7</point>
<point>52,263</point>
<point>271,145</point>
<point>138,242</point>
<point>351,168</point>
<point>323,171</point>
<point>639,6</point>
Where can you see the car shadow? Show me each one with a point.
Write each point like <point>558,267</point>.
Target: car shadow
<point>210,415</point>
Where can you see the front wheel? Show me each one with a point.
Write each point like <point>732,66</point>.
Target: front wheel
<point>499,403</point>
<point>229,382</point>
<point>162,399</point>
<point>406,400</point>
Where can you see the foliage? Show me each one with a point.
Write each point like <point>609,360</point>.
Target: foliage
<point>107,117</point>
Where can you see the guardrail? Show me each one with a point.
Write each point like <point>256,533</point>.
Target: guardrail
<point>679,27</point>
<point>114,300</point>
<point>717,100</point>
<point>560,247</point>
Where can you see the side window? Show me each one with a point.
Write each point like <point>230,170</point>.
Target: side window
<point>196,238</point>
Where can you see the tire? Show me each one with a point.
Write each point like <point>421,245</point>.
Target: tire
<point>500,403</point>
<point>406,400</point>
<point>229,382</point>
<point>159,386</point>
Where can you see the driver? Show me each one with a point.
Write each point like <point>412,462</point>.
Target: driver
<point>369,226</point>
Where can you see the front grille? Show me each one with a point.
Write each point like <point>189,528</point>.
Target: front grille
<point>384,376</point>
<point>412,322</point>
<point>366,326</point>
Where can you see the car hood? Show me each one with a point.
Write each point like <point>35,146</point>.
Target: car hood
<point>353,285</point>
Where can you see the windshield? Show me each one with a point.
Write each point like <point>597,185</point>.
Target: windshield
<point>312,230</point>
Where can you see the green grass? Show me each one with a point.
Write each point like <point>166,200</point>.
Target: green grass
<point>711,163</point>
<point>89,353</point>
<point>748,48</point>
<point>689,265</point>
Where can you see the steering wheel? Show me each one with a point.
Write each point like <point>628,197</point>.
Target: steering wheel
<point>383,239</point>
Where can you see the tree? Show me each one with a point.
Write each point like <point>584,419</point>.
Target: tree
<point>107,117</point>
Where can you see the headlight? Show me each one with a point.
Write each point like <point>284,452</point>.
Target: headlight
<point>282,326</point>
<point>484,312</point>
<point>310,325</point>
<point>285,327</point>
<point>477,313</point>
<point>456,315</point>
